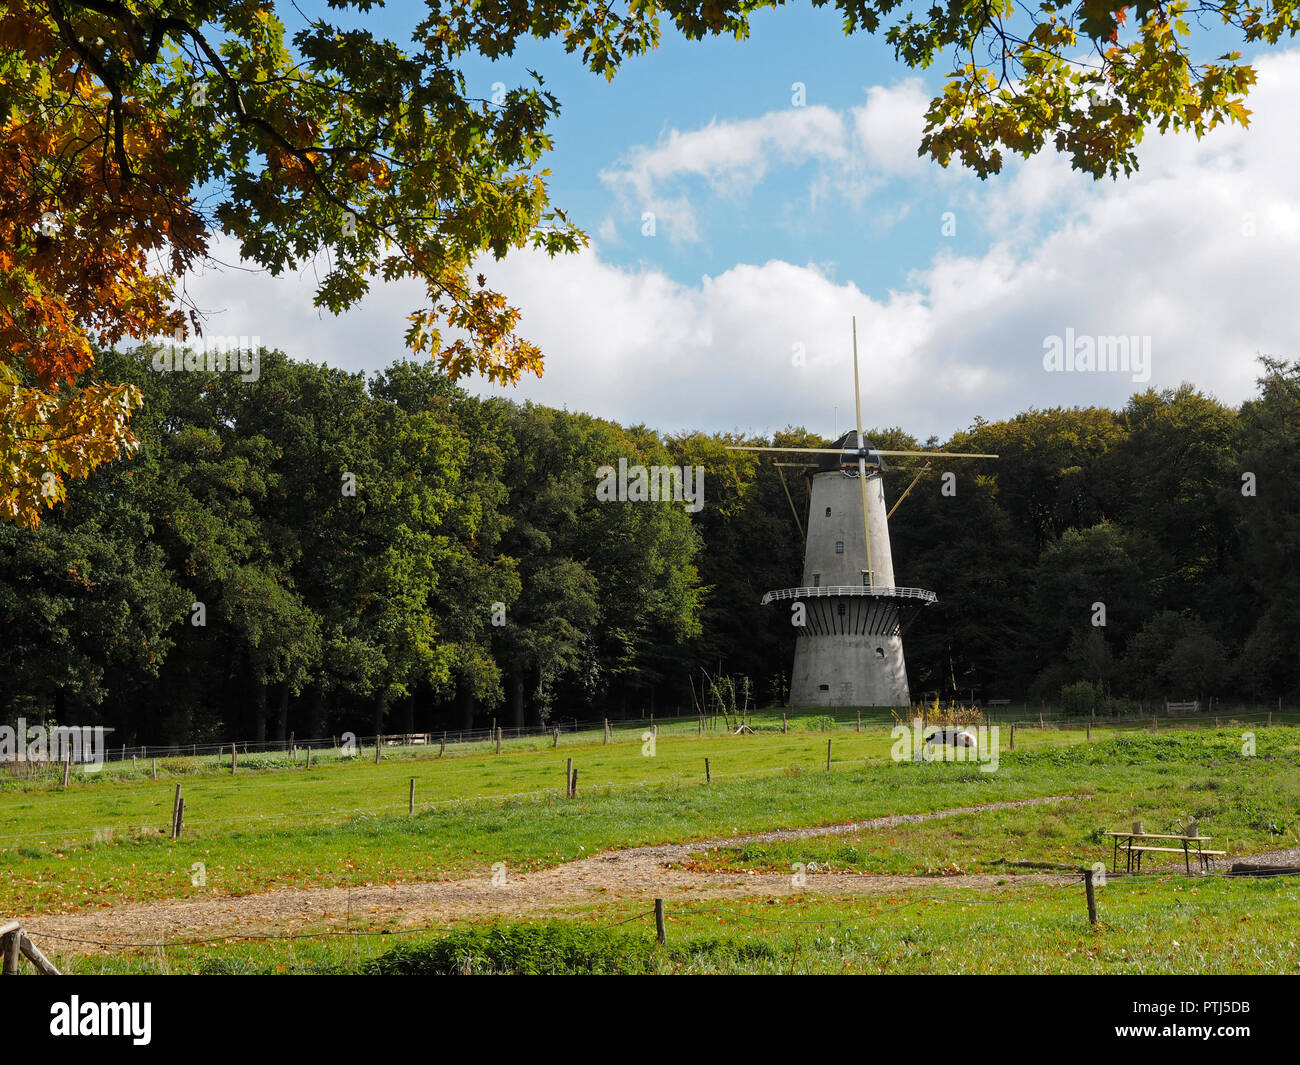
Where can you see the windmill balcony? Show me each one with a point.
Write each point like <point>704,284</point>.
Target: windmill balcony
<point>876,592</point>
<point>855,610</point>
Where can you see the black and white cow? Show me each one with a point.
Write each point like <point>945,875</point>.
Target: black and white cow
<point>951,737</point>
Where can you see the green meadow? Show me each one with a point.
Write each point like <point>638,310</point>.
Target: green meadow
<point>102,842</point>
<point>1243,926</point>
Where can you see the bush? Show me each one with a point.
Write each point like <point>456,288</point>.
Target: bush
<point>554,949</point>
<point>1080,699</point>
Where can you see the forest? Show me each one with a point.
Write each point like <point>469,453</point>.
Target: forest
<point>317,550</point>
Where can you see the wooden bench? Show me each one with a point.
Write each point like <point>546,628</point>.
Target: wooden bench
<point>1134,843</point>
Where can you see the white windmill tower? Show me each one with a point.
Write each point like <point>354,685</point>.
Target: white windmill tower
<point>850,613</point>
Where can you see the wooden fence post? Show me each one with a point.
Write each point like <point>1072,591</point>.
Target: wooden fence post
<point>67,768</point>
<point>498,739</point>
<point>443,749</point>
<point>234,757</point>
<point>155,769</point>
<point>828,755</point>
<point>573,785</point>
<point>606,730</point>
<point>410,802</point>
<point>708,773</point>
<point>661,931</point>
<point>176,812</point>
<point>568,779</point>
<point>9,946</point>
<point>1013,735</point>
<point>555,738</point>
<point>1092,896</point>
<point>309,757</point>
<point>180,818</point>
<point>42,963</point>
<point>379,744</point>
<point>785,724</point>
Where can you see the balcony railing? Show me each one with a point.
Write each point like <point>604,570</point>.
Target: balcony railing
<point>835,590</point>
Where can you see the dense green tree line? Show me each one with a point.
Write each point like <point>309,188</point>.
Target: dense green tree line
<point>316,551</point>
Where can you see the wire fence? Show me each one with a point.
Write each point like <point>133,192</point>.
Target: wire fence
<point>416,745</point>
<point>268,785</point>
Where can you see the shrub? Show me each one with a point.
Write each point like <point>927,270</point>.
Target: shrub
<point>1080,699</point>
<point>553,949</point>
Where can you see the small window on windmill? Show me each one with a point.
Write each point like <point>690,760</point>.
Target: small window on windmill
<point>866,579</point>
<point>828,512</point>
<point>817,580</point>
<point>823,687</point>
<point>839,547</point>
<point>880,653</point>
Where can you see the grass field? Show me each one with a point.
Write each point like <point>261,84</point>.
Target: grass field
<point>275,824</point>
<point>1180,926</point>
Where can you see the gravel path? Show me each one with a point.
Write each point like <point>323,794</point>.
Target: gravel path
<point>1289,856</point>
<point>635,873</point>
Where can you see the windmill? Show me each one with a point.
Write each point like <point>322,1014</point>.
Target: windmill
<point>850,613</point>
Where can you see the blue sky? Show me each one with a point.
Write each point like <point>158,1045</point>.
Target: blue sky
<point>684,85</point>
<point>774,223</point>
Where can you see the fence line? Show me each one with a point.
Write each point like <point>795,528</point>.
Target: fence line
<point>1021,717</point>
<point>325,816</point>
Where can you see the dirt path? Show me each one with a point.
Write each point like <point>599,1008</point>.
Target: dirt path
<point>635,873</point>
<point>1289,856</point>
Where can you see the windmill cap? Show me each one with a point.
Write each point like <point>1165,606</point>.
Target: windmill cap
<point>847,441</point>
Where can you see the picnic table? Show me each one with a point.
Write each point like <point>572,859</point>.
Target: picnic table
<point>1135,843</point>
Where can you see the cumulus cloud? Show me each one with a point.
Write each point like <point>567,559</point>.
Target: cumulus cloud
<point>730,157</point>
<point>852,153</point>
<point>1197,254</point>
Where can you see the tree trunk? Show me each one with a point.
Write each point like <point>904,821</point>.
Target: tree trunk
<point>316,712</point>
<point>282,714</point>
<point>468,708</point>
<point>517,698</point>
<point>259,709</point>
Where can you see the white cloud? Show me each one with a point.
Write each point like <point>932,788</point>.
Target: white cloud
<point>853,153</point>
<point>730,157</point>
<point>1198,252</point>
<point>889,126</point>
